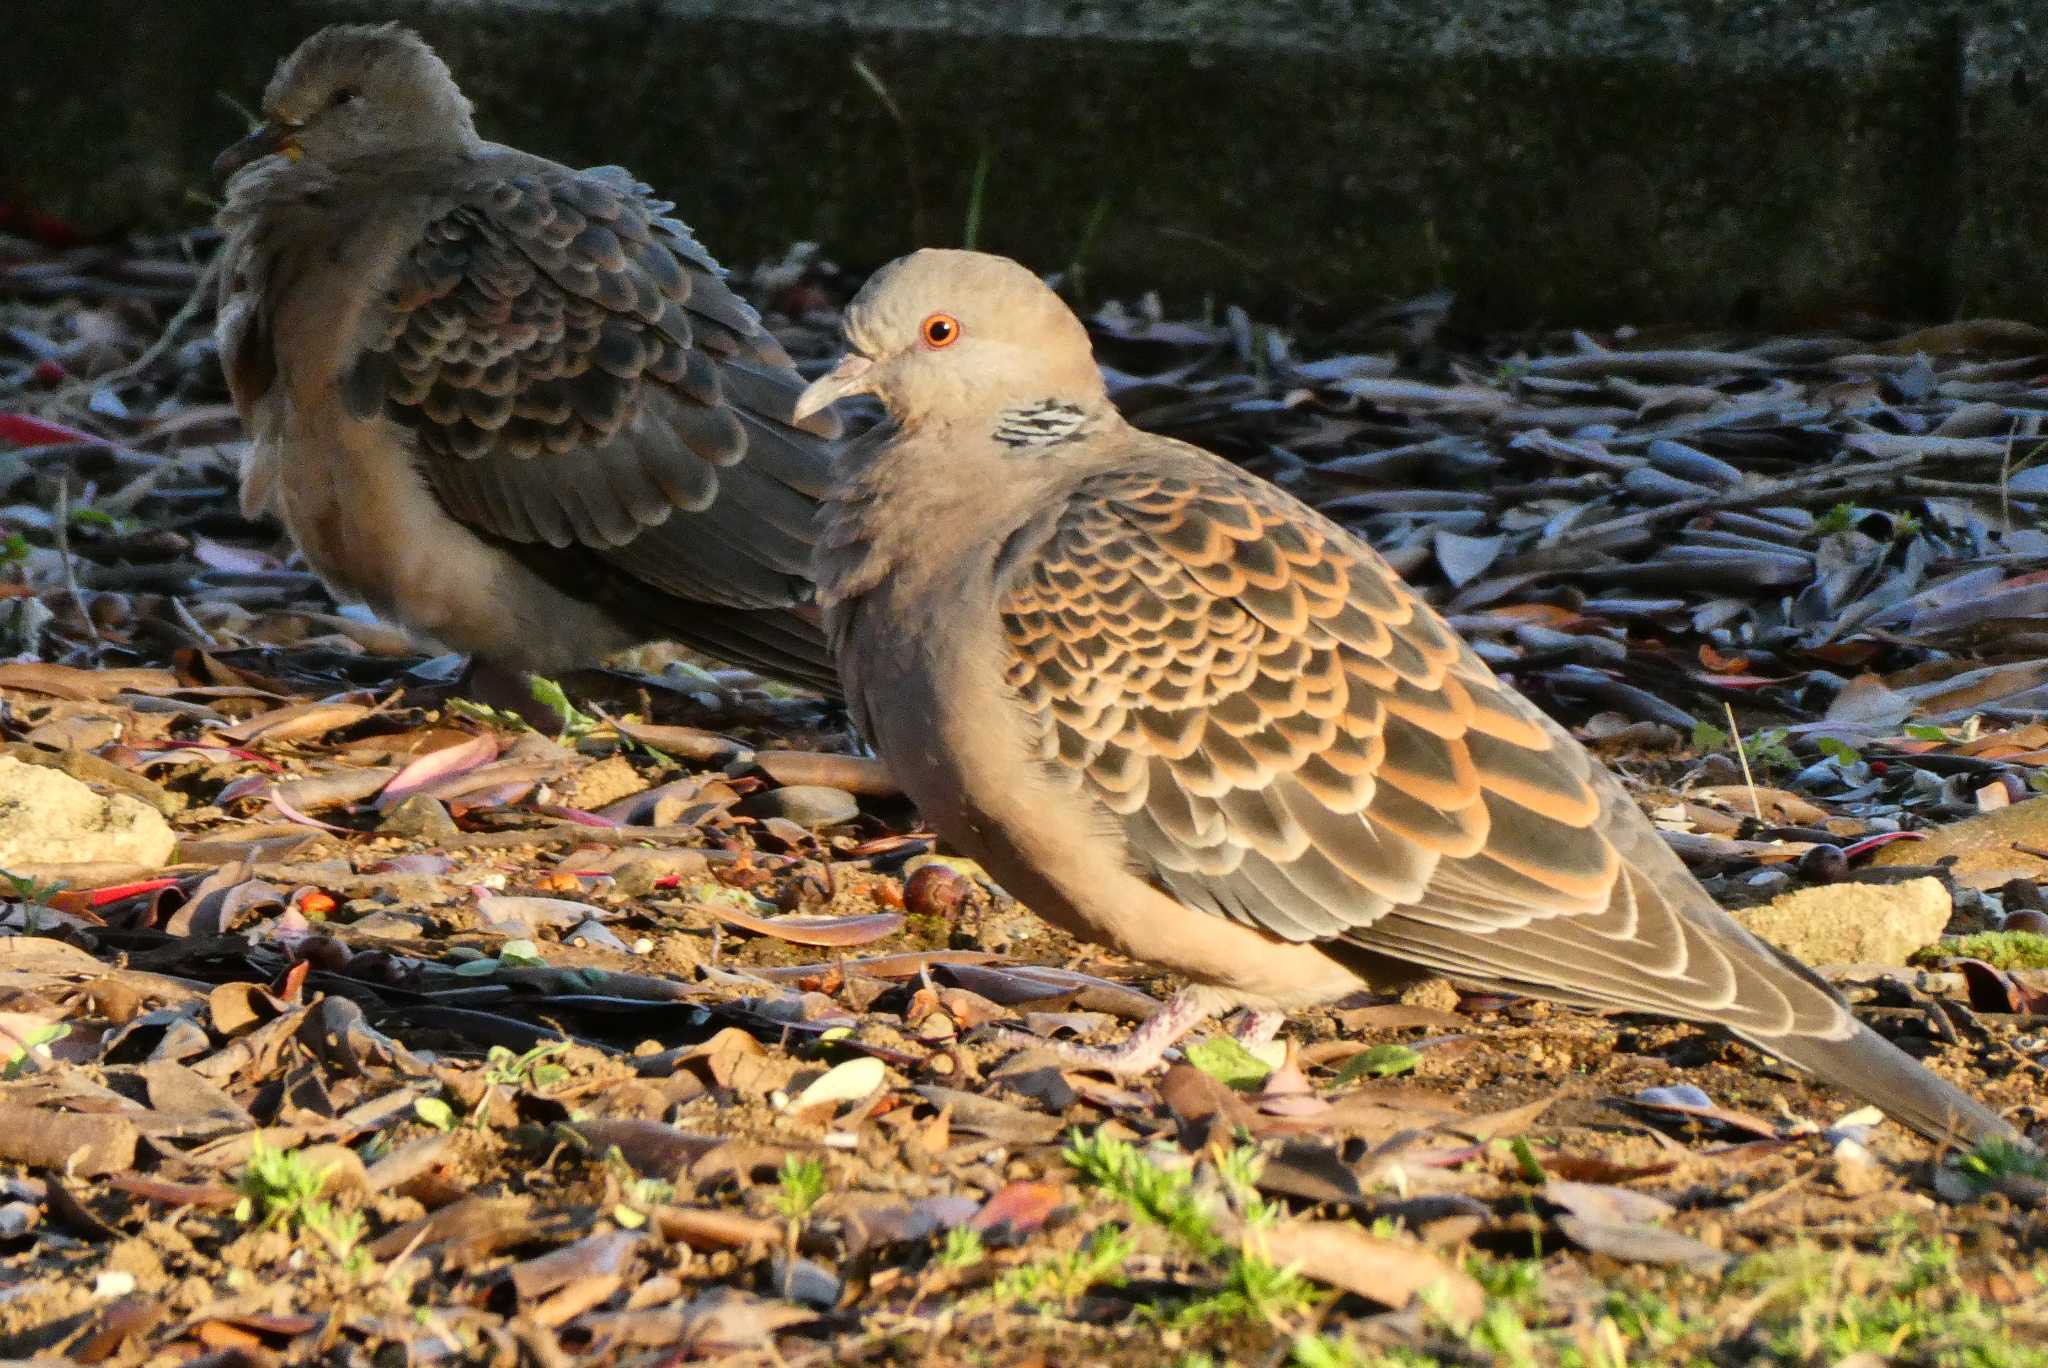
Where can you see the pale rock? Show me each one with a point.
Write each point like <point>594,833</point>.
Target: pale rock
<point>47,817</point>
<point>1853,923</point>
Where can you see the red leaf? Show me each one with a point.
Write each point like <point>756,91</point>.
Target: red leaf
<point>1022,1206</point>
<point>23,430</point>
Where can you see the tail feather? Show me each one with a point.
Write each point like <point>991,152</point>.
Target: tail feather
<point>785,643</point>
<point>1880,1073</point>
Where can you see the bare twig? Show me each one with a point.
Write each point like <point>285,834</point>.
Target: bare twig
<point>63,539</point>
<point>873,81</point>
<point>195,303</point>
<point>1735,736</point>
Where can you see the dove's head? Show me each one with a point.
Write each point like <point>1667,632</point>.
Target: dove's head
<point>352,91</point>
<point>963,336</point>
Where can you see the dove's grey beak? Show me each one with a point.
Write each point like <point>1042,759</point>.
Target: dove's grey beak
<point>848,378</point>
<point>267,138</point>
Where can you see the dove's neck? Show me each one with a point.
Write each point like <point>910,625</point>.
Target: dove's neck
<point>925,508</point>
<point>1043,424</point>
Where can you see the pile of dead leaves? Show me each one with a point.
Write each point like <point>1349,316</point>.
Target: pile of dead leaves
<point>394,1029</point>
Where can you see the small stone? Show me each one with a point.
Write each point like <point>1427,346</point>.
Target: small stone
<point>607,781</point>
<point>2026,919</point>
<point>1434,993</point>
<point>806,1282</point>
<point>1769,880</point>
<point>2022,893</point>
<point>1854,1170</point>
<point>1717,768</point>
<point>48,817</point>
<point>108,1286</point>
<point>1853,923</point>
<point>808,805</point>
<point>422,817</point>
<point>641,872</point>
<point>18,1219</point>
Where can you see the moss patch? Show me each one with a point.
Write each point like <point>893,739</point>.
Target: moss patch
<point>2001,949</point>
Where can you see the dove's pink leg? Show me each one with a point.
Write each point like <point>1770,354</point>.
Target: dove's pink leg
<point>1142,1050</point>
<point>1255,1028</point>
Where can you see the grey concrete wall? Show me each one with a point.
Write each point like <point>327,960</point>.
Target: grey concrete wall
<point>1583,161</point>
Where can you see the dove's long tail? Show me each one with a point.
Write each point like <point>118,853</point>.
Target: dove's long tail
<point>1877,1071</point>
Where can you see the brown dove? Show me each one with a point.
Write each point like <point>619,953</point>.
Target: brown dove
<point>511,405</point>
<point>1178,713</point>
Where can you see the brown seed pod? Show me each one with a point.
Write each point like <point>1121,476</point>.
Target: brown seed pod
<point>2026,919</point>
<point>935,890</point>
<point>325,954</point>
<point>1824,864</point>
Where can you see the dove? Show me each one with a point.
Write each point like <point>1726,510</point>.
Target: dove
<point>511,405</point>
<point>1180,714</point>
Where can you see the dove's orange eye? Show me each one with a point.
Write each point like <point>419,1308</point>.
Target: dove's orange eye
<point>940,330</point>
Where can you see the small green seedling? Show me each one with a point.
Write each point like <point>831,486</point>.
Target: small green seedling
<point>963,1248</point>
<point>530,1071</point>
<point>800,1185</point>
<point>1064,1279</point>
<point>1969,730</point>
<point>32,890</point>
<point>1766,749</point>
<point>1993,1161</point>
<point>1526,1163</point>
<point>502,719</point>
<point>281,1191</point>
<point>1836,520</point>
<point>1251,1287</point>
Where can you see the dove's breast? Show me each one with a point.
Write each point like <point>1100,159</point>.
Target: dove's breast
<point>367,524</point>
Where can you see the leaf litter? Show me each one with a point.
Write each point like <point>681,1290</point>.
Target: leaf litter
<point>641,1023</point>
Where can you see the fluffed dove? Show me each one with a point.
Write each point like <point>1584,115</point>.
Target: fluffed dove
<point>1179,713</point>
<point>509,404</point>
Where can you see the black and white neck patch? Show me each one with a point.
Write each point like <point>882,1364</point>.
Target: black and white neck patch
<point>1048,422</point>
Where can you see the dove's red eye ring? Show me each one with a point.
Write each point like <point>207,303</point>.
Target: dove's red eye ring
<point>940,330</point>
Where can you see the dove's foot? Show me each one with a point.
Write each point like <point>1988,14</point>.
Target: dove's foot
<point>1146,1047</point>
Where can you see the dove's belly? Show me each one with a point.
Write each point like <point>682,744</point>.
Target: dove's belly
<point>939,716</point>
<point>371,529</point>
